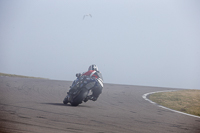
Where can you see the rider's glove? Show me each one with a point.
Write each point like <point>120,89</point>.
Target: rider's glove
<point>78,75</point>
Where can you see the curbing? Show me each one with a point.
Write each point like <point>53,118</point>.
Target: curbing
<point>145,97</point>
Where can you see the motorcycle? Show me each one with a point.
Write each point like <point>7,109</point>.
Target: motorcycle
<point>80,88</point>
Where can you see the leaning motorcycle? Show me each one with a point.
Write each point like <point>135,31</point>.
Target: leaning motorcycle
<point>81,88</point>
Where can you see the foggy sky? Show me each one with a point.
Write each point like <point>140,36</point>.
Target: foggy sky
<point>150,43</point>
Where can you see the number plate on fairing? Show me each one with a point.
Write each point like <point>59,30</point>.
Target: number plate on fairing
<point>90,85</point>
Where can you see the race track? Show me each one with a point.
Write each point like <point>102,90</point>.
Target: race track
<point>30,105</point>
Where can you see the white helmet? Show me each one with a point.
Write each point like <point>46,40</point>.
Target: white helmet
<point>93,67</point>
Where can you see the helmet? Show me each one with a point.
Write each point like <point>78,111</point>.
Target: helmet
<point>93,67</point>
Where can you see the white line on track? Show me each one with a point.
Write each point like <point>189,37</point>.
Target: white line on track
<point>145,97</point>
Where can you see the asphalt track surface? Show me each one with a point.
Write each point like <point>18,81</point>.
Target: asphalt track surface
<point>35,106</point>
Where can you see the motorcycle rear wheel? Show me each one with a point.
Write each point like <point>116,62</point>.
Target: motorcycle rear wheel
<point>65,101</point>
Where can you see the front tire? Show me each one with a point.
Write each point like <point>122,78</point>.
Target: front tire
<point>81,96</point>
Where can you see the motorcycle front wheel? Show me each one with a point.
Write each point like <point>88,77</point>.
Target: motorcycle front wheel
<point>80,97</point>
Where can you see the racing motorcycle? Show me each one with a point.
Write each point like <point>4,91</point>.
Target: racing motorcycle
<point>80,88</point>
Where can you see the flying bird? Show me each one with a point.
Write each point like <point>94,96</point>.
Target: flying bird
<point>87,15</point>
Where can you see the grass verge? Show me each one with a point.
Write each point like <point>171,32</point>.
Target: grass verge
<point>187,101</point>
<point>21,76</point>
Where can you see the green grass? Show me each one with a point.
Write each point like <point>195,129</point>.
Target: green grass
<point>21,76</point>
<point>187,101</point>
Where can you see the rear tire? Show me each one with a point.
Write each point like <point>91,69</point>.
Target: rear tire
<point>78,99</point>
<point>65,101</point>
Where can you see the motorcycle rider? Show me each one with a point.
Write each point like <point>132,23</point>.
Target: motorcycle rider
<point>96,90</point>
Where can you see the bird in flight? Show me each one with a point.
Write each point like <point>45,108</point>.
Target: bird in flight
<point>88,15</point>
